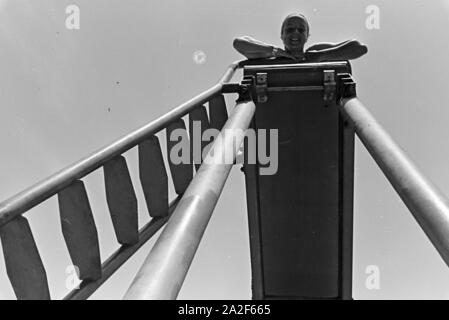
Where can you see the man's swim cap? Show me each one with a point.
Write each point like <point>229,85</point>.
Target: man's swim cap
<point>295,15</point>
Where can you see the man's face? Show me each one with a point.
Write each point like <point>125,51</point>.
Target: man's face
<point>295,34</point>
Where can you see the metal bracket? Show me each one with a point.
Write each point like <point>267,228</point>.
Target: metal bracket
<point>230,88</point>
<point>346,86</point>
<point>261,87</point>
<point>330,86</point>
<point>245,88</point>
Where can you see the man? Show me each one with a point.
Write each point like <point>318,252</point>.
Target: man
<point>294,34</point>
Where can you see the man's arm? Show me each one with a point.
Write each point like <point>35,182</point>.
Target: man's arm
<point>326,45</point>
<point>255,49</point>
<point>347,50</point>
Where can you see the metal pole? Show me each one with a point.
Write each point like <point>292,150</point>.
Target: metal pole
<point>164,270</point>
<point>427,204</point>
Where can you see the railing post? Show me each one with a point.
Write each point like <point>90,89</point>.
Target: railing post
<point>164,270</point>
<point>429,207</point>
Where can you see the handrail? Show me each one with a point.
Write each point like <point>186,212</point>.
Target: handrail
<point>39,192</point>
<point>428,205</point>
<point>164,270</point>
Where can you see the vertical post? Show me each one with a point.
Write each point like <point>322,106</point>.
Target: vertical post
<point>164,270</point>
<point>347,205</point>
<point>251,170</point>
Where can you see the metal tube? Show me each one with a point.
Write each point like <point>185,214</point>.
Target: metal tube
<point>164,270</point>
<point>46,188</point>
<point>427,204</point>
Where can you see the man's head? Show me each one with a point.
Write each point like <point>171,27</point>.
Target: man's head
<point>295,32</point>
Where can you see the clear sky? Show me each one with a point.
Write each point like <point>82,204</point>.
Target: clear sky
<point>66,93</point>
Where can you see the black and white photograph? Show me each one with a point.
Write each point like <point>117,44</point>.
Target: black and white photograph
<point>239,150</point>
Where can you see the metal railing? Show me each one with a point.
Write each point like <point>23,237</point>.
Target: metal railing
<point>48,187</point>
<point>427,204</point>
<point>20,251</point>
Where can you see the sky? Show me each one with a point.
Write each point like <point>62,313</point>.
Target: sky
<point>66,93</point>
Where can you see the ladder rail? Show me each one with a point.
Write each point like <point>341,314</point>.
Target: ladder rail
<point>41,191</point>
